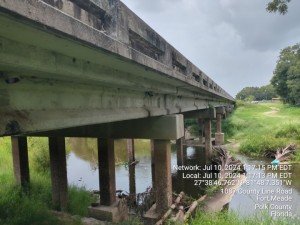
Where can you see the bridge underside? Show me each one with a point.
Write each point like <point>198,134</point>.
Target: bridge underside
<point>86,68</point>
<point>50,81</point>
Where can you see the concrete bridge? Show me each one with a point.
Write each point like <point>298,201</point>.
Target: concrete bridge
<point>91,68</point>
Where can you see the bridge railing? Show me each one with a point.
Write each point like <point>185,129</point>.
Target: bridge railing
<point>114,19</point>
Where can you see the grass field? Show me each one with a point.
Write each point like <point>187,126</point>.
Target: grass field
<point>263,126</point>
<point>32,205</point>
<point>225,218</point>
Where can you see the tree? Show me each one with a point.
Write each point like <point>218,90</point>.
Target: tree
<point>250,98</point>
<point>280,6</point>
<point>266,92</point>
<point>286,78</point>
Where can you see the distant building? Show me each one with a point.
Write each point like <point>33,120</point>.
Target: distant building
<point>276,99</point>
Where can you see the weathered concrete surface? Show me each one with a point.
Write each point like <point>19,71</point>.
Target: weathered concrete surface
<point>219,136</point>
<point>152,164</point>
<point>169,127</point>
<point>208,141</point>
<point>107,176</point>
<point>114,213</point>
<point>151,216</point>
<point>180,151</point>
<point>90,62</point>
<point>202,113</point>
<point>58,168</point>
<point>163,177</point>
<point>20,160</point>
<point>131,166</point>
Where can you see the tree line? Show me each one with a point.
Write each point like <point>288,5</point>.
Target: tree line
<point>286,78</point>
<point>285,82</point>
<point>266,92</point>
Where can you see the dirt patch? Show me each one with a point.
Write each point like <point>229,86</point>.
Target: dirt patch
<point>273,111</point>
<point>71,219</point>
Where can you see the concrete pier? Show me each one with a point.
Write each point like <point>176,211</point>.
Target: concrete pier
<point>20,160</point>
<point>110,209</point>
<point>208,144</point>
<point>107,177</point>
<point>180,151</point>
<point>163,177</point>
<point>58,173</point>
<point>219,136</point>
<point>152,163</point>
<point>131,166</point>
<point>201,130</point>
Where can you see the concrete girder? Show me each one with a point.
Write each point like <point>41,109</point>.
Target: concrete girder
<point>80,41</point>
<point>61,100</point>
<point>169,127</point>
<point>209,113</point>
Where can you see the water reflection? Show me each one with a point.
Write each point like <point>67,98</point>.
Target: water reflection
<point>83,171</point>
<point>83,166</point>
<point>262,182</point>
<point>194,156</point>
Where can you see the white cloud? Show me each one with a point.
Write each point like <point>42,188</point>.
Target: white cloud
<point>236,42</point>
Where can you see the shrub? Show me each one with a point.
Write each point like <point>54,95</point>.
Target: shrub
<point>257,144</point>
<point>39,154</point>
<point>289,131</point>
<point>79,200</point>
<point>20,208</point>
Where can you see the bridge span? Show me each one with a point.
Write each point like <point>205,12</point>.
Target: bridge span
<point>92,68</point>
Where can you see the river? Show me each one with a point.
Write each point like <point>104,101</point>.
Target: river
<point>264,190</point>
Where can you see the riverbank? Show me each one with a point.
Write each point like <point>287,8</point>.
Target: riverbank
<point>254,128</point>
<point>32,204</point>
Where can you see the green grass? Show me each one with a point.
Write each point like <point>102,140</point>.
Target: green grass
<point>263,126</point>
<point>32,205</point>
<point>231,218</point>
<point>79,200</point>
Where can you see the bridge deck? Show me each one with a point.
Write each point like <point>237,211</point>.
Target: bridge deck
<point>73,63</point>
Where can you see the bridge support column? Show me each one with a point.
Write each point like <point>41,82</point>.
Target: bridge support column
<point>20,160</point>
<point>109,209</point>
<point>219,136</point>
<point>58,172</point>
<point>208,144</point>
<point>131,159</point>
<point>201,131</point>
<point>152,164</point>
<point>180,151</point>
<point>107,177</point>
<point>163,177</point>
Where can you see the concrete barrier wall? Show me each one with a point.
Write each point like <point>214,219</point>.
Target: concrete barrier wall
<point>117,21</point>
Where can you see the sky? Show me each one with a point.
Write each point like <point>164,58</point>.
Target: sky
<point>235,42</point>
